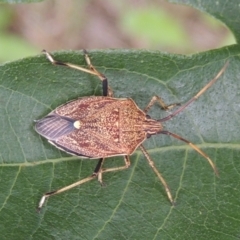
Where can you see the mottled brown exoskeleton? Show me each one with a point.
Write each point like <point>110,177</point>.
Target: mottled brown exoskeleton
<point>102,126</point>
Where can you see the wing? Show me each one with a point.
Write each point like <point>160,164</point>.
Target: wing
<point>54,126</point>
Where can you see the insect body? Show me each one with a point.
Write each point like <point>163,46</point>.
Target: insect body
<point>103,126</point>
<point>98,127</point>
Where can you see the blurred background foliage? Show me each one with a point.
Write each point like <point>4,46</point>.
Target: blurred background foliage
<point>26,29</point>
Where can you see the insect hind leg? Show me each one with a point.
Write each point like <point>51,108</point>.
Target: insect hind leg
<point>92,70</point>
<point>49,194</point>
<point>107,91</point>
<point>97,173</point>
<point>104,170</point>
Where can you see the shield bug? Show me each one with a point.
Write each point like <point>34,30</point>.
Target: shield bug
<point>100,127</point>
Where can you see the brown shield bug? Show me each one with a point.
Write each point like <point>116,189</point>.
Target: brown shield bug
<point>102,126</point>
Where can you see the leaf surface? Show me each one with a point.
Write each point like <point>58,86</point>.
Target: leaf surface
<point>133,205</point>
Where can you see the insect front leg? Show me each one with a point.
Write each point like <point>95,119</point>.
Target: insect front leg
<point>161,103</point>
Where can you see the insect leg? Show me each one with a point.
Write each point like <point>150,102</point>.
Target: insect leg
<point>99,166</point>
<point>70,65</point>
<point>164,183</point>
<point>47,195</point>
<point>106,90</point>
<point>161,102</point>
<point>127,165</point>
<point>194,147</point>
<point>99,170</point>
<point>97,173</point>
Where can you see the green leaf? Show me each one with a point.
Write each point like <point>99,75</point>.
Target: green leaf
<point>133,205</point>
